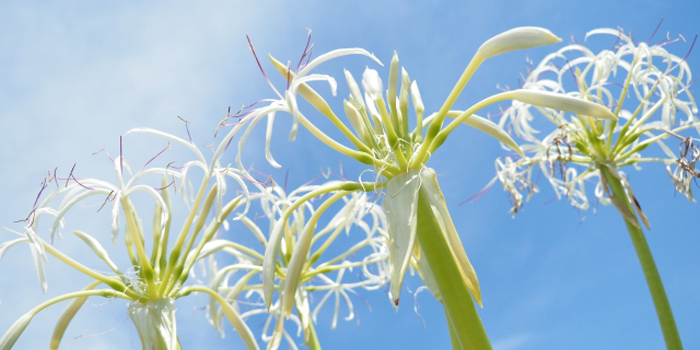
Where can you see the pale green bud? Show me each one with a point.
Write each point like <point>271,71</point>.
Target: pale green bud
<point>516,39</point>
<point>372,84</point>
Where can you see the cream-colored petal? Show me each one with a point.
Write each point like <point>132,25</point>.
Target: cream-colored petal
<point>272,251</point>
<point>492,129</point>
<point>561,102</point>
<point>12,334</point>
<point>300,255</point>
<point>97,249</point>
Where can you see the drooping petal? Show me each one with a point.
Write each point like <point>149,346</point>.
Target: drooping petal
<point>6,245</point>
<point>10,337</point>
<point>272,251</point>
<point>300,255</point>
<point>493,130</point>
<point>268,140</point>
<point>39,264</point>
<point>335,54</point>
<point>97,249</point>
<point>67,316</point>
<point>400,204</point>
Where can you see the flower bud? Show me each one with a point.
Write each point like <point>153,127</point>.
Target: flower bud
<point>517,39</point>
<point>420,110</point>
<point>354,91</point>
<point>562,102</point>
<point>356,121</point>
<point>372,84</point>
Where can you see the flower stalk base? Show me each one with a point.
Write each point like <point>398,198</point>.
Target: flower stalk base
<point>462,317</point>
<point>651,273</point>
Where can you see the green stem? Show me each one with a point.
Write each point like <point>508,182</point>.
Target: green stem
<point>651,273</point>
<point>459,307</point>
<point>313,339</point>
<point>453,335</point>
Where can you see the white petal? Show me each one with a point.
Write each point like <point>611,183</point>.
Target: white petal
<point>335,54</point>
<point>39,264</point>
<point>268,140</point>
<point>96,248</point>
<point>493,130</point>
<point>272,251</point>
<point>12,334</point>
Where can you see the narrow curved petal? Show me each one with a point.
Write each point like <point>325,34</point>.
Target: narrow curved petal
<point>300,254</point>
<point>272,251</point>
<point>335,54</point>
<point>268,139</point>
<point>561,102</point>
<point>67,316</point>
<point>10,337</point>
<point>97,249</point>
<point>493,130</point>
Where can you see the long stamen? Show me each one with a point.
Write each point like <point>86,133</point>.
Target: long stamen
<point>307,52</point>
<point>655,30</point>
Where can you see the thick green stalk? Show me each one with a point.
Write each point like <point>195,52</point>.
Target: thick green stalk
<point>651,273</point>
<point>313,339</point>
<point>459,307</point>
<point>453,335</point>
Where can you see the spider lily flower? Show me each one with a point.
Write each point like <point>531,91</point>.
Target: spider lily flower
<point>644,92</point>
<point>160,260</point>
<point>646,87</point>
<point>310,262</point>
<point>383,138</point>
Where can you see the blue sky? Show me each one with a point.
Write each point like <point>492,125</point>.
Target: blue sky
<point>75,76</point>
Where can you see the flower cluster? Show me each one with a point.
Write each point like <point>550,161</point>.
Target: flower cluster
<point>381,136</point>
<point>162,261</point>
<point>644,85</point>
<point>298,257</point>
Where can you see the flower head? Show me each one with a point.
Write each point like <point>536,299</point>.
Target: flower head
<point>160,256</point>
<point>644,85</point>
<point>395,138</point>
<point>310,261</point>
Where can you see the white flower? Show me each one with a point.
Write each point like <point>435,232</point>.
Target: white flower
<point>304,265</point>
<point>161,260</point>
<point>645,86</point>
